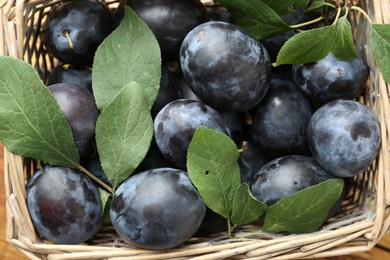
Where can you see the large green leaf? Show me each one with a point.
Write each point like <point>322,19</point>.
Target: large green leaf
<point>124,131</point>
<point>307,46</point>
<point>256,17</point>
<point>380,44</point>
<point>304,211</point>
<point>213,169</point>
<point>130,53</point>
<point>31,122</point>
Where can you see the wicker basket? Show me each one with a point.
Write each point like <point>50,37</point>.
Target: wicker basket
<point>365,215</point>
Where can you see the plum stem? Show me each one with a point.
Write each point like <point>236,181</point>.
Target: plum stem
<point>66,33</point>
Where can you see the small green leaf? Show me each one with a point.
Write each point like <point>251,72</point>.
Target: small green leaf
<point>104,197</point>
<point>344,47</point>
<point>256,17</point>
<point>307,46</point>
<point>124,131</point>
<point>130,53</point>
<point>315,4</point>
<point>380,44</point>
<point>246,208</point>
<point>213,168</point>
<point>304,211</point>
<point>31,122</point>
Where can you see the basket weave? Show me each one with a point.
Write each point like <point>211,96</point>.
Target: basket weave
<point>365,215</point>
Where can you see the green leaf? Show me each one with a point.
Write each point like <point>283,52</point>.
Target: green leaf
<point>130,53</point>
<point>124,131</point>
<point>304,211</point>
<point>256,17</point>
<point>344,46</point>
<point>283,7</point>
<point>380,45</point>
<point>31,122</point>
<point>315,4</point>
<point>246,208</point>
<point>213,168</point>
<point>307,46</point>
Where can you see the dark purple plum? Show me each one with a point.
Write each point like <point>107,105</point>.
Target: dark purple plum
<point>285,176</point>
<point>236,124</point>
<point>81,113</point>
<point>331,78</point>
<point>64,205</point>
<point>74,29</point>
<point>157,209</point>
<point>176,123</point>
<point>169,20</point>
<point>169,90</point>
<point>225,67</point>
<point>75,75</point>
<point>344,137</point>
<point>280,120</point>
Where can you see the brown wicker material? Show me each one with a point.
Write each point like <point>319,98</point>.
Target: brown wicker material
<point>364,218</point>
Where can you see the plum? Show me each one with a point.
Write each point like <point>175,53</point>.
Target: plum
<point>64,205</point>
<point>225,67</point>
<point>280,120</point>
<point>157,209</point>
<point>344,137</point>
<point>331,78</point>
<point>81,113</point>
<point>176,123</point>
<point>286,175</point>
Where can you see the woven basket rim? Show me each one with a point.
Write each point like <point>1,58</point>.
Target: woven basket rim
<point>345,235</point>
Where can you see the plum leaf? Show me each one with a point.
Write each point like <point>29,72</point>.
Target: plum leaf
<point>213,168</point>
<point>380,44</point>
<point>307,46</point>
<point>246,208</point>
<point>256,17</point>
<point>31,121</point>
<point>304,211</point>
<point>124,132</point>
<point>344,47</point>
<point>130,53</point>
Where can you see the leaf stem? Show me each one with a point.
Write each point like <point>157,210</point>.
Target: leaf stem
<point>337,16</point>
<point>357,8</point>
<point>90,175</point>
<point>295,26</point>
<point>229,224</point>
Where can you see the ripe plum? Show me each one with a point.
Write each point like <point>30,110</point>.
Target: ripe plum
<point>225,67</point>
<point>157,209</point>
<point>64,205</point>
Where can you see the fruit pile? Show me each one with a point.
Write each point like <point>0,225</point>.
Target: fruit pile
<point>172,118</point>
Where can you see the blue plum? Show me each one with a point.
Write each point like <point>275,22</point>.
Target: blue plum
<point>157,209</point>
<point>280,120</point>
<point>176,123</point>
<point>225,67</point>
<point>344,137</point>
<point>331,78</point>
<point>81,113</point>
<point>170,21</point>
<point>64,205</point>
<point>286,175</point>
